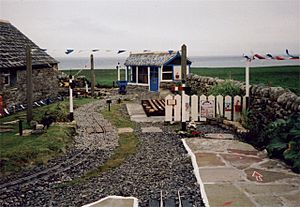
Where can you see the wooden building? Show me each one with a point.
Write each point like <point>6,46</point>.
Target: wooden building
<point>13,68</point>
<point>152,68</point>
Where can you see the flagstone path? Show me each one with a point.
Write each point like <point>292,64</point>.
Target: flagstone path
<point>233,173</point>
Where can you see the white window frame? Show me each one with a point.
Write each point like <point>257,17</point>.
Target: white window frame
<point>6,75</point>
<point>162,72</point>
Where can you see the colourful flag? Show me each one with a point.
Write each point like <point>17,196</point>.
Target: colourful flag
<point>258,56</point>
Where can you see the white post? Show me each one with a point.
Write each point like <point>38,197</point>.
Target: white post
<point>126,74</point>
<point>86,87</point>
<point>149,78</point>
<point>118,72</point>
<point>136,74</point>
<point>71,99</point>
<point>247,78</point>
<point>183,111</point>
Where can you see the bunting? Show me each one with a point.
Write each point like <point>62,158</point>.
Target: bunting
<point>269,56</point>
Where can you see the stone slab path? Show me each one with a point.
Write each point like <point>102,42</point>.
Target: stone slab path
<point>151,130</point>
<point>112,201</point>
<point>233,173</point>
<point>137,114</point>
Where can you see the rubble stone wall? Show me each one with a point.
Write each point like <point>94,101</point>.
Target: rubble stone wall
<point>45,85</point>
<point>266,103</point>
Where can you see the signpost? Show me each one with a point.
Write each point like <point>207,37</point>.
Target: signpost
<point>71,85</point>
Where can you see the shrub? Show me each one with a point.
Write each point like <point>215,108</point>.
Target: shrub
<point>284,139</point>
<point>226,88</point>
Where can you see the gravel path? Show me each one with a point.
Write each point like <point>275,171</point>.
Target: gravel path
<point>160,164</point>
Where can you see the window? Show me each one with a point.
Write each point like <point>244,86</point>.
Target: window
<point>9,78</point>
<point>133,74</point>
<point>6,79</point>
<point>167,73</point>
<point>143,75</point>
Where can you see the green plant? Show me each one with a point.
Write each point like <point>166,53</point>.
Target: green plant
<point>226,88</point>
<point>245,118</point>
<point>284,138</point>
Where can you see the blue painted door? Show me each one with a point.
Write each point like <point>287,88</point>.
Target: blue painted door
<point>154,79</point>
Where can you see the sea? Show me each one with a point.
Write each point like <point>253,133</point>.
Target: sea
<point>73,63</point>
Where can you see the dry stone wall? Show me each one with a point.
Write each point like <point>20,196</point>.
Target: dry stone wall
<point>45,84</point>
<point>266,103</point>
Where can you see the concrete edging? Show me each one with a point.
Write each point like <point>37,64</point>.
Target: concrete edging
<point>135,200</point>
<point>197,173</point>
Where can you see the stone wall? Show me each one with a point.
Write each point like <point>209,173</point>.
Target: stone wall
<point>266,103</point>
<point>45,84</point>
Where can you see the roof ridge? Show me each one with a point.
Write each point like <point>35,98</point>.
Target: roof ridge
<point>153,52</point>
<point>4,21</point>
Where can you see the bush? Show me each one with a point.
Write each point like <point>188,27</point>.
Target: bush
<point>284,139</point>
<point>226,88</point>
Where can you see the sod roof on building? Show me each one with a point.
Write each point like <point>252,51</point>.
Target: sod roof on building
<point>151,58</point>
<point>13,49</point>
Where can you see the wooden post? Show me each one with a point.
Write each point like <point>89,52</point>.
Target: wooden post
<point>29,83</point>
<point>92,76</point>
<point>183,62</point>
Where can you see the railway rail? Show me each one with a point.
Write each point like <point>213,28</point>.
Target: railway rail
<point>84,158</point>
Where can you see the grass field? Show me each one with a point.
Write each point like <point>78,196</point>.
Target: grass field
<point>284,76</point>
<point>23,152</point>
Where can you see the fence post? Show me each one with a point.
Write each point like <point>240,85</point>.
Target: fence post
<point>194,108</point>
<point>177,108</point>
<point>201,104</point>
<point>228,107</point>
<point>220,105</point>
<point>237,108</point>
<point>168,108</point>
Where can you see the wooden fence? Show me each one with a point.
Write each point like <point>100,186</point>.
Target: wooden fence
<point>198,108</point>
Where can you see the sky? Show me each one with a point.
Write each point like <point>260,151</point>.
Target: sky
<point>207,27</point>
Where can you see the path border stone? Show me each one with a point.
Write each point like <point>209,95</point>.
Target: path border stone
<point>197,173</point>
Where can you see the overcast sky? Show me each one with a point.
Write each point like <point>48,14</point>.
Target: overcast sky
<point>207,27</point>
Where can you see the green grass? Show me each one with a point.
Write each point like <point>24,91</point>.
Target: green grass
<point>284,76</point>
<point>24,152</point>
<point>104,77</point>
<point>128,144</point>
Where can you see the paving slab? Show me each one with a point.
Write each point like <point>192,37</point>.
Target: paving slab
<point>233,173</point>
<point>240,161</point>
<point>220,174</point>
<point>226,195</point>
<point>219,136</point>
<point>151,130</point>
<point>135,109</point>
<point>208,159</point>
<point>114,201</point>
<point>292,199</point>
<point>201,144</point>
<point>268,201</point>
<point>268,189</point>
<point>267,176</point>
<point>125,130</point>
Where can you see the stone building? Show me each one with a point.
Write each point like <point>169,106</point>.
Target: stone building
<point>13,68</point>
<point>153,68</point>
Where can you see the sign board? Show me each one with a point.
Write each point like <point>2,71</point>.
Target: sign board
<point>177,73</point>
<point>171,102</point>
<point>207,108</point>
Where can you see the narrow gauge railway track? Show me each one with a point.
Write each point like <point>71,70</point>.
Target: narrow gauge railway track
<point>51,173</point>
